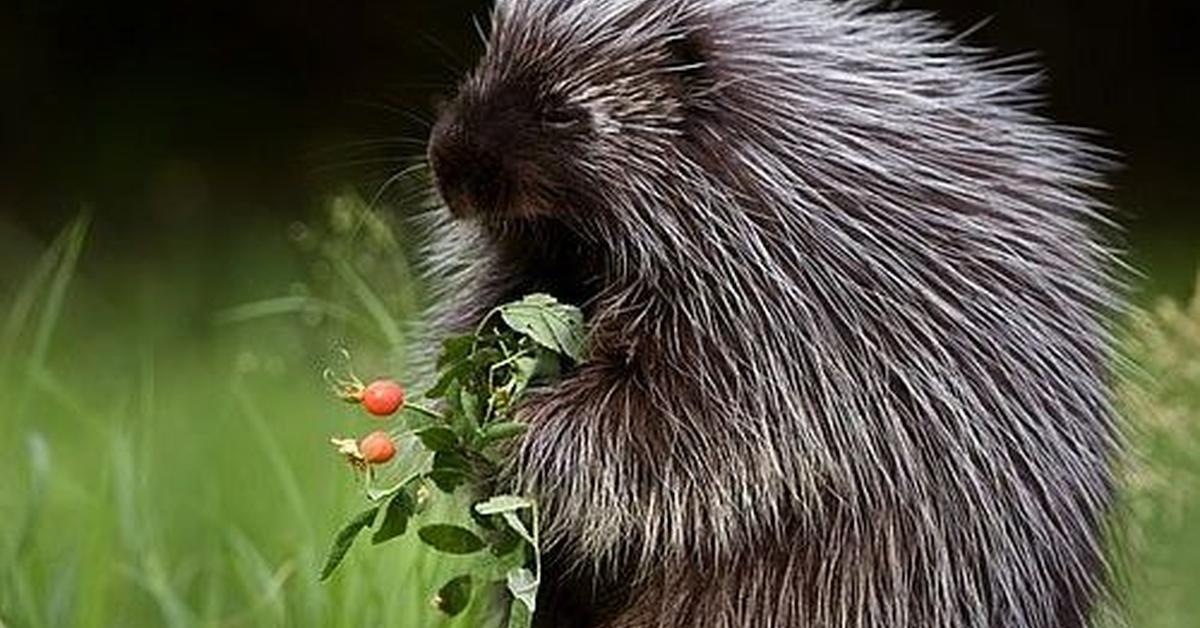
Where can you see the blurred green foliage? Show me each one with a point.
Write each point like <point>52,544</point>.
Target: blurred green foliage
<point>166,466</point>
<point>1160,529</point>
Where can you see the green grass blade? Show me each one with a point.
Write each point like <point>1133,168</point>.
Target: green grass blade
<point>287,306</point>
<point>386,324</point>
<point>279,462</point>
<point>50,264</point>
<point>262,585</point>
<point>75,235</point>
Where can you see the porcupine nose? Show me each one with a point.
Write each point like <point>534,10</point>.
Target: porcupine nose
<point>468,163</point>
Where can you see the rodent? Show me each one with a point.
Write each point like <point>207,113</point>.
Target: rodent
<point>849,312</point>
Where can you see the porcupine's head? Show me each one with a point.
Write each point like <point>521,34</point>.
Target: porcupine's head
<point>576,143</point>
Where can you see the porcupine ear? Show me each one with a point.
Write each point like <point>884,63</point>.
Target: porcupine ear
<point>691,62</point>
<point>689,51</point>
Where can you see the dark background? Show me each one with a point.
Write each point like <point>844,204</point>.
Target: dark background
<point>176,120</point>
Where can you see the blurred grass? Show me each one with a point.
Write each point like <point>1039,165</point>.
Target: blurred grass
<point>166,467</point>
<point>1162,483</point>
<point>165,463</point>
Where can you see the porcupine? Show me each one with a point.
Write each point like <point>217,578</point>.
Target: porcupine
<point>848,307</point>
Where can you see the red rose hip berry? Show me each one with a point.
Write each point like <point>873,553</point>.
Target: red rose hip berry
<point>383,397</point>
<point>377,448</point>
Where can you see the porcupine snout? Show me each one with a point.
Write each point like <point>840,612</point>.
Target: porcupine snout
<point>474,150</point>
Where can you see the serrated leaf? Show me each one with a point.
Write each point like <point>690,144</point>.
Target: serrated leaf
<point>345,538</point>
<point>523,587</point>
<point>547,322</point>
<point>395,518</point>
<point>499,432</point>
<point>438,438</point>
<point>539,299</point>
<point>501,504</point>
<point>553,329</point>
<point>451,539</point>
<point>566,323</point>
<point>454,596</point>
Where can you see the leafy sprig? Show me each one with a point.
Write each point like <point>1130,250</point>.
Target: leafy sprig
<point>458,443</point>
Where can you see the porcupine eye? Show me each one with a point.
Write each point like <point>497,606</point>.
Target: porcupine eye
<point>558,115</point>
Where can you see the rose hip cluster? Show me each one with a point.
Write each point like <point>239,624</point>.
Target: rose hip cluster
<point>382,399</point>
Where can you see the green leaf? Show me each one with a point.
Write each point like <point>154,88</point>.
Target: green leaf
<point>525,369</point>
<point>471,408</point>
<point>523,586</point>
<point>566,323</point>
<point>451,461</point>
<point>539,299</point>
<point>416,419</point>
<point>447,481</point>
<point>519,616</point>
<point>499,432</point>
<point>485,357</point>
<point>395,519</point>
<point>454,596</point>
<point>451,539</point>
<point>490,601</point>
<point>489,527</point>
<point>457,371</point>
<point>514,521</point>
<point>509,507</point>
<point>450,470</point>
<point>438,438</point>
<point>505,544</point>
<point>551,324</point>
<point>549,366</point>
<point>345,538</point>
<point>455,349</point>
<point>453,398</point>
<point>501,504</point>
